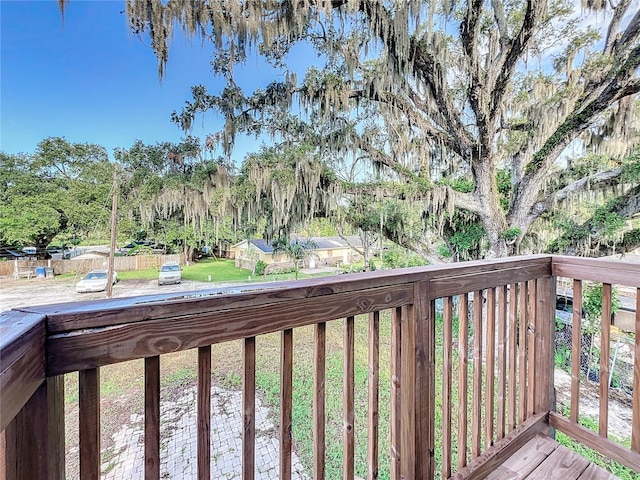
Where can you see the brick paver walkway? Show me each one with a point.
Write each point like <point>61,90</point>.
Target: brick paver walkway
<point>178,450</point>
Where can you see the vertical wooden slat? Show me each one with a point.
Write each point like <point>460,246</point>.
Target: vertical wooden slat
<point>424,358</point>
<point>635,431</point>
<point>513,354</point>
<point>374,384</point>
<point>502,362</point>
<point>490,374</point>
<point>463,378</point>
<point>348,392</point>
<point>522,354</point>
<point>32,445</point>
<point>249,408</point>
<point>544,337</point>
<point>151,418</point>
<point>89,435</point>
<point>204,413</point>
<point>396,343</point>
<point>286,400</point>
<point>605,337</point>
<point>407,401</point>
<point>576,344</point>
<point>447,367</point>
<point>476,406</point>
<point>319,355</point>
<point>531,343</point>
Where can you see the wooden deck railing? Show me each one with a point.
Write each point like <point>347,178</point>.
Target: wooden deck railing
<point>487,326</point>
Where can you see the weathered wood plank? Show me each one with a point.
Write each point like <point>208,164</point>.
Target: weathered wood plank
<point>89,409</point>
<point>286,403</point>
<point>561,464</point>
<point>249,408</point>
<point>447,369</point>
<point>592,440</point>
<point>531,345</point>
<point>69,352</point>
<point>22,361</point>
<point>597,270</point>
<point>476,404</point>
<point>373,397</point>
<point>486,463</point>
<point>469,282</point>
<point>594,472</point>
<point>319,374</point>
<point>635,433</point>
<point>32,445</point>
<point>576,347</point>
<point>408,381</point>
<point>463,378</point>
<point>544,338</point>
<point>425,361</point>
<point>501,415</point>
<point>204,413</point>
<point>513,355</point>
<point>151,418</point>
<point>522,353</point>
<point>103,313</point>
<point>396,342</point>
<point>490,366</point>
<point>526,460</point>
<point>605,345</point>
<point>348,395</point>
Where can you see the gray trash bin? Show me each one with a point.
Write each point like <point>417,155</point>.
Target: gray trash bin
<point>49,272</point>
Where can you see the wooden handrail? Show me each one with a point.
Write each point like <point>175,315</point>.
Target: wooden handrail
<point>510,328</point>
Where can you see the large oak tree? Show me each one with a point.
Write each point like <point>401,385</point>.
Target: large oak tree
<point>469,109</point>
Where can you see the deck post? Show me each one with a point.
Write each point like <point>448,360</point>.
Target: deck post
<point>34,440</point>
<point>544,349</point>
<point>424,373</point>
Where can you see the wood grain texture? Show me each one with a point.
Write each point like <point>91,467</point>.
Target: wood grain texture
<point>151,418</point>
<point>523,373</point>
<point>544,338</point>
<point>576,347</point>
<point>447,371</point>
<point>89,408</point>
<point>501,414</point>
<point>605,345</point>
<point>526,460</point>
<point>103,313</point>
<point>531,346</point>
<point>319,416</point>
<point>408,382</point>
<point>476,403</point>
<point>490,365</point>
<point>348,395</point>
<point>463,378</point>
<point>513,355</point>
<point>424,313</point>
<point>635,433</point>
<point>486,463</point>
<point>204,413</point>
<point>597,270</point>
<point>286,402</point>
<point>592,440</point>
<point>33,444</point>
<point>101,346</point>
<point>396,342</point>
<point>373,397</point>
<point>249,408</point>
<point>594,472</point>
<point>22,361</point>
<point>561,465</point>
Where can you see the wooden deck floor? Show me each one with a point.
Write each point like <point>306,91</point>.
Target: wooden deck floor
<point>543,458</point>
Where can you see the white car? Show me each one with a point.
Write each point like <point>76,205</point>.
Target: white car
<point>95,281</point>
<point>169,273</point>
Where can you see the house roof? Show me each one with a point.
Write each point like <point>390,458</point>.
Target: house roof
<point>322,243</point>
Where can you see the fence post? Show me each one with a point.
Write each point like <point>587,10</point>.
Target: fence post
<point>34,440</point>
<point>545,343</point>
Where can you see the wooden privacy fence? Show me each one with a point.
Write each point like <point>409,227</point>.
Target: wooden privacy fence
<point>488,326</point>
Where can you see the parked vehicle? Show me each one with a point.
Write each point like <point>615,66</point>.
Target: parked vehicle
<point>169,273</point>
<point>95,281</point>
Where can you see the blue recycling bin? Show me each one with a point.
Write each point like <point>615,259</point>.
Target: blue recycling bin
<point>41,272</point>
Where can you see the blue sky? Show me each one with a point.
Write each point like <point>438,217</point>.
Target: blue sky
<point>90,80</point>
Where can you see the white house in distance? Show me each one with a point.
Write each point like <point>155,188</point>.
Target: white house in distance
<point>329,251</point>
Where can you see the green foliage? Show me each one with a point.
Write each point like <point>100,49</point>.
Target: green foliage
<point>259,268</point>
<point>511,234</point>
<point>592,304</point>
<point>296,250</point>
<point>467,236</point>
<point>503,182</point>
<point>398,257</point>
